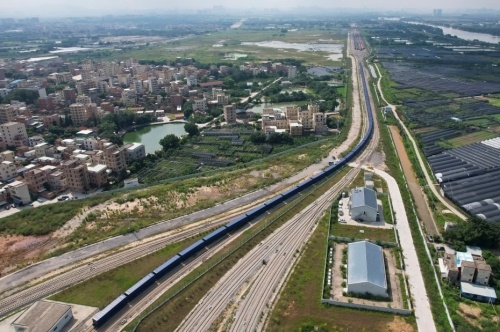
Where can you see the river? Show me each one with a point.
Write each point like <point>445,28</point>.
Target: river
<point>465,35</point>
<point>150,136</point>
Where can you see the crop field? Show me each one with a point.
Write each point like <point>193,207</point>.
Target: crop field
<point>470,138</point>
<point>207,153</point>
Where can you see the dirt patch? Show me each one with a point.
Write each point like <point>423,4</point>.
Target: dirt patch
<point>27,242</point>
<point>290,309</point>
<point>399,325</point>
<point>301,156</point>
<point>470,314</point>
<point>469,311</point>
<point>16,251</point>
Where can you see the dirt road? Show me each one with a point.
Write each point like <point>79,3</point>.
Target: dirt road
<point>420,203</point>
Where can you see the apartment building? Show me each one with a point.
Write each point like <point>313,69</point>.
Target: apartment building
<point>7,156</point>
<point>77,177</point>
<point>78,114</point>
<point>35,179</point>
<point>57,181</point>
<point>19,192</point>
<point>223,99</point>
<point>8,170</point>
<point>83,99</point>
<point>114,158</point>
<point>69,95</point>
<point>8,113</point>
<point>14,133</point>
<point>134,151</point>
<point>200,105</point>
<point>230,114</point>
<point>129,97</point>
<point>153,85</point>
<point>98,176</point>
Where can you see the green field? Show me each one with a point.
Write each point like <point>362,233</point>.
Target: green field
<point>470,138</point>
<point>201,47</point>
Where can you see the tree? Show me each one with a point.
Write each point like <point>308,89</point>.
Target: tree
<point>229,82</point>
<point>475,232</point>
<point>27,96</point>
<point>170,142</point>
<point>187,109</point>
<point>258,137</point>
<point>192,129</point>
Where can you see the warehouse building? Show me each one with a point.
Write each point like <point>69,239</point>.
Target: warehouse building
<point>44,316</point>
<point>366,269</point>
<point>363,204</point>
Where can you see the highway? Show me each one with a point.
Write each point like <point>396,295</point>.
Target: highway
<point>241,300</point>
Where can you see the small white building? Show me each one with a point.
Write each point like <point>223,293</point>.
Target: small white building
<point>46,316</point>
<point>363,204</point>
<point>366,269</point>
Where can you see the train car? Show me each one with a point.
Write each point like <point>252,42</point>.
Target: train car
<point>105,314</point>
<point>237,223</point>
<point>215,235</point>
<point>255,212</point>
<point>290,192</point>
<point>273,201</point>
<point>166,267</point>
<point>140,286</point>
<point>192,249</point>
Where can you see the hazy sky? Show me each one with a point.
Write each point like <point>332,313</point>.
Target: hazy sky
<point>100,7</point>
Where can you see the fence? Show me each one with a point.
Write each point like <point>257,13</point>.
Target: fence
<point>368,307</point>
<point>352,239</point>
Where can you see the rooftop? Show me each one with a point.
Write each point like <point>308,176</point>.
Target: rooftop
<point>97,168</point>
<point>364,197</point>
<point>463,256</point>
<point>42,316</point>
<point>366,264</point>
<point>480,290</point>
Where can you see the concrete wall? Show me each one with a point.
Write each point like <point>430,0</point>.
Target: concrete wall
<point>364,213</point>
<point>368,307</point>
<point>366,287</point>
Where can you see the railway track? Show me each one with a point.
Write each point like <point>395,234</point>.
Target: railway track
<point>80,273</point>
<point>250,286</point>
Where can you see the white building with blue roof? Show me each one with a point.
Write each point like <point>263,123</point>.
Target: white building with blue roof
<point>366,269</point>
<point>363,204</point>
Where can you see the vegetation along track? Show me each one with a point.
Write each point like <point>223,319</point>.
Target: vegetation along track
<point>78,274</point>
<point>263,282</point>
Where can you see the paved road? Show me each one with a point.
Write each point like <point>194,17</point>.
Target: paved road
<point>418,292</point>
<point>430,183</point>
<point>21,277</point>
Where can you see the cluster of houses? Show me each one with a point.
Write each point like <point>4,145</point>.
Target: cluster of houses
<point>470,271</point>
<point>81,164</point>
<point>294,120</point>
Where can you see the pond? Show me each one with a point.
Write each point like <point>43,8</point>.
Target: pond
<point>150,136</point>
<point>335,50</point>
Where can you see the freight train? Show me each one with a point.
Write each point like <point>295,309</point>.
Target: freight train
<point>193,250</point>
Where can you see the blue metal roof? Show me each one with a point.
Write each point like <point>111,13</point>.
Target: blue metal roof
<point>366,264</point>
<point>364,197</point>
